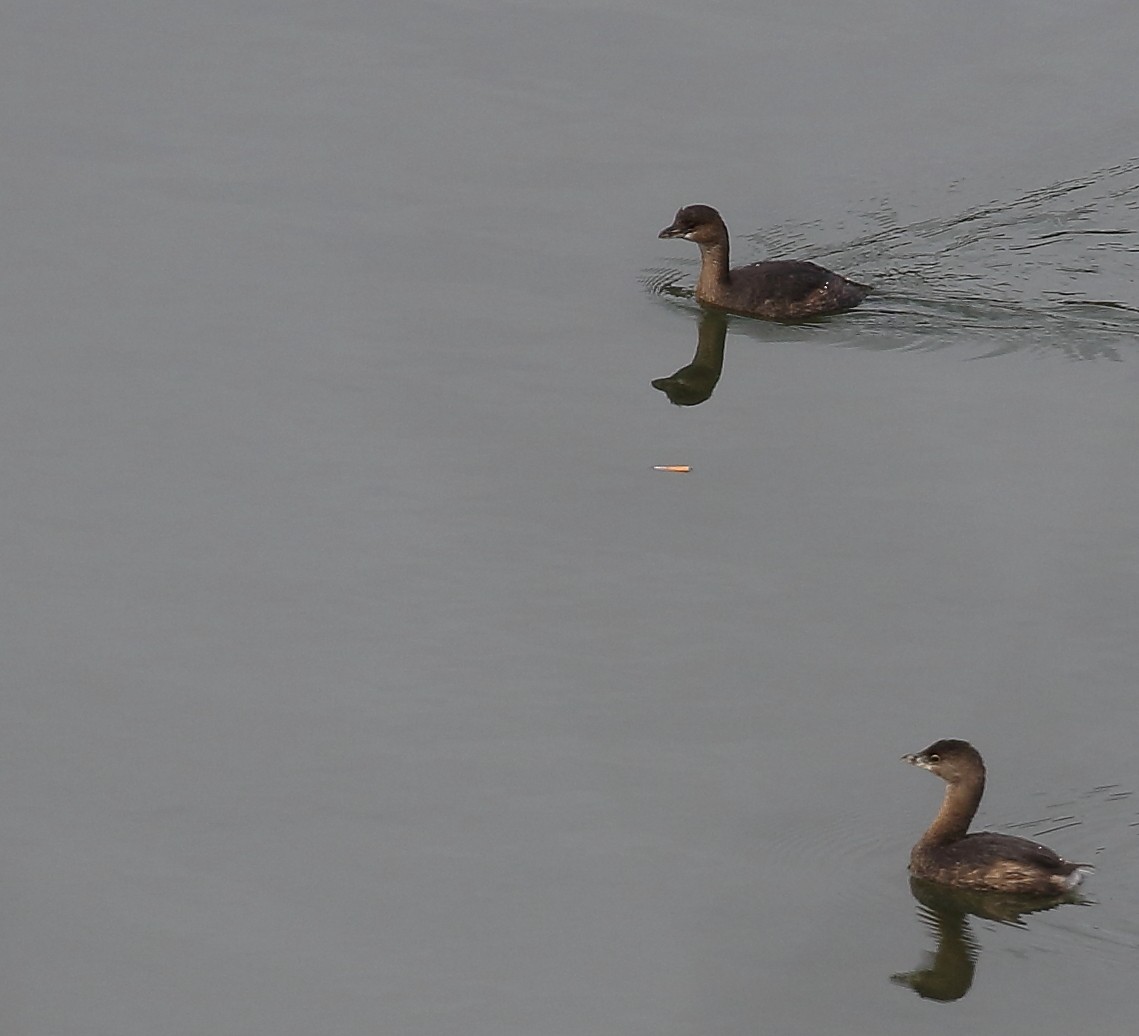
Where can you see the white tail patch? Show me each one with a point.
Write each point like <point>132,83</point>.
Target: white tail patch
<point>1078,875</point>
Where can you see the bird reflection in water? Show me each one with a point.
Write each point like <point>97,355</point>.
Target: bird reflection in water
<point>693,384</point>
<point>948,972</point>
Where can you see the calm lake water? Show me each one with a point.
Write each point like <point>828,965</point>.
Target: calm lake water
<point>361,674</point>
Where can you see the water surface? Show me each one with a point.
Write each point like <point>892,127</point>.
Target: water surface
<point>361,673</point>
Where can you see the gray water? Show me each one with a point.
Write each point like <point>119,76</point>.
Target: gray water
<point>360,673</point>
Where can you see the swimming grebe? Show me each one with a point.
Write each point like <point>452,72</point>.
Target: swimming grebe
<point>947,854</point>
<point>780,289</point>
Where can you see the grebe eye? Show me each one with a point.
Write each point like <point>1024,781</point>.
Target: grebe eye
<point>935,758</point>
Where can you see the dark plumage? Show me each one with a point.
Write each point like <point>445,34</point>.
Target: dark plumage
<point>780,289</point>
<point>985,861</point>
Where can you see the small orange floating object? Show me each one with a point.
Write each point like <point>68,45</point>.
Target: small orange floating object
<point>672,467</point>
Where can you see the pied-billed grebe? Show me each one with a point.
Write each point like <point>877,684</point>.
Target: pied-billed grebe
<point>947,854</point>
<point>780,289</point>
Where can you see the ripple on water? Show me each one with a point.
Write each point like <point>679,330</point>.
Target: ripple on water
<point>670,283</point>
<point>1107,818</point>
<point>836,844</point>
